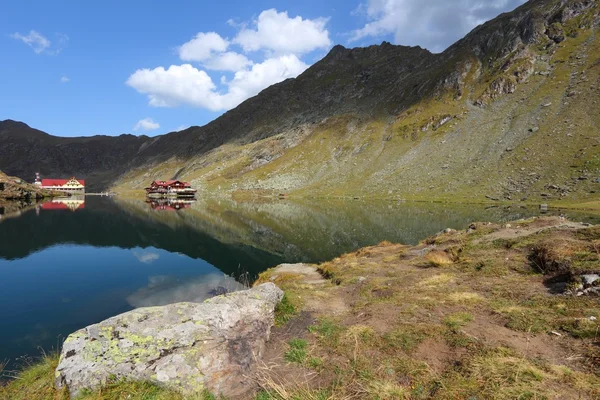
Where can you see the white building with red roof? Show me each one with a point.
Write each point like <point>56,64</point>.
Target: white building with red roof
<point>72,185</point>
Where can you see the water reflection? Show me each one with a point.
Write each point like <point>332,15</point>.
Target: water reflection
<point>170,204</point>
<point>163,289</point>
<point>73,203</point>
<point>61,270</point>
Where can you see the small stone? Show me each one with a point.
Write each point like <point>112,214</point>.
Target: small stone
<point>361,279</point>
<point>589,279</point>
<point>555,333</point>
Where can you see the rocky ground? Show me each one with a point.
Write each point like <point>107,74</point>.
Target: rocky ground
<point>489,312</point>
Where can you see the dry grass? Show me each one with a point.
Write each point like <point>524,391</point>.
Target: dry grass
<point>437,258</point>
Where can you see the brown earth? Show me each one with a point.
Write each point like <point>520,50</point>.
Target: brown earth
<point>463,315</point>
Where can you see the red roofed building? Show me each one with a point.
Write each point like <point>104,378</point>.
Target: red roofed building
<point>75,186</point>
<point>170,188</point>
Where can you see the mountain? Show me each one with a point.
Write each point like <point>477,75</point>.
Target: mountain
<point>25,151</point>
<point>509,112</point>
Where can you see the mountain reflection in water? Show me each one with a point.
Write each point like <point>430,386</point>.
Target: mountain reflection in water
<point>73,262</point>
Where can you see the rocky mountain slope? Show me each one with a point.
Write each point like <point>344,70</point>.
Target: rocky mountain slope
<point>509,112</point>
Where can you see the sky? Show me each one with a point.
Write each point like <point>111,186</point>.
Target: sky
<point>82,68</point>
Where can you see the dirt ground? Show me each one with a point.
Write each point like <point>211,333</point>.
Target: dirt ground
<point>462,315</point>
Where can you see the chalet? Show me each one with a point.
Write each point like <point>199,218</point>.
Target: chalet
<point>72,185</point>
<point>172,188</point>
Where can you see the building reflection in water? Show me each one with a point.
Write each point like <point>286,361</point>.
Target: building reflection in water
<point>170,204</point>
<point>73,203</point>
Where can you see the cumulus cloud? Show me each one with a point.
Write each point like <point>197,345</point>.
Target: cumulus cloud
<point>64,79</point>
<point>274,38</point>
<point>41,44</point>
<point>229,61</point>
<point>277,32</point>
<point>434,24</point>
<point>185,84</point>
<point>146,124</point>
<point>202,47</point>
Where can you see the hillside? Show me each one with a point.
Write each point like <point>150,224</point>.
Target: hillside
<point>12,188</point>
<point>510,112</point>
<point>25,151</point>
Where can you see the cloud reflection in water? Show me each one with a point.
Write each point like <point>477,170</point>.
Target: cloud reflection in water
<point>162,290</point>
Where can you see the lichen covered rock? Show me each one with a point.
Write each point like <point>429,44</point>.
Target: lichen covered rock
<point>188,347</point>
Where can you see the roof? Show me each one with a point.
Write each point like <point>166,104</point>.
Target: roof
<point>169,183</point>
<point>59,182</point>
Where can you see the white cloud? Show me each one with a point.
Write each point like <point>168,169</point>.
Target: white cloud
<point>179,84</point>
<point>64,79</point>
<point>202,47</point>
<point>162,290</point>
<point>229,61</point>
<point>146,257</point>
<point>281,40</point>
<point>41,44</point>
<point>181,128</point>
<point>146,124</point>
<point>38,42</point>
<point>434,24</point>
<point>186,84</point>
<point>275,31</point>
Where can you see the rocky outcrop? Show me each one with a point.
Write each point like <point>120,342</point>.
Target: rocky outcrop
<point>12,188</point>
<point>187,347</point>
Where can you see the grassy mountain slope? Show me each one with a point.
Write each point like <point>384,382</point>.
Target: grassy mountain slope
<point>509,112</point>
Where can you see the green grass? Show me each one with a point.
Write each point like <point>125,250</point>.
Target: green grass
<point>36,382</point>
<point>297,352</point>
<point>328,332</point>
<point>284,311</point>
<point>458,320</point>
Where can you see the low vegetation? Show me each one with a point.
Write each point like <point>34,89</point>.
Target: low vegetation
<point>467,314</point>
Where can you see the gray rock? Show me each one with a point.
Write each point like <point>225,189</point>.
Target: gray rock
<point>589,279</point>
<point>187,347</point>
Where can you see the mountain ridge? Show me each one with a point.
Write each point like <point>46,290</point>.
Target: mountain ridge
<point>366,121</point>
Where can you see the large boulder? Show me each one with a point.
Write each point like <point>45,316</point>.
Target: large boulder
<point>188,347</point>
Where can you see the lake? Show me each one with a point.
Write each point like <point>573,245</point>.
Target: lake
<point>70,263</point>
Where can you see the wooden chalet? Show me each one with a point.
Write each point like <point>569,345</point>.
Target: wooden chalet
<point>172,188</point>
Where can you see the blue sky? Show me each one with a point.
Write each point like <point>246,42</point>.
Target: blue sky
<point>80,68</point>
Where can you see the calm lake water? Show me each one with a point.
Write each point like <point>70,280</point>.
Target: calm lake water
<point>65,265</point>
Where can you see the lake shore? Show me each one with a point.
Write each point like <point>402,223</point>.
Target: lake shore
<point>482,311</point>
